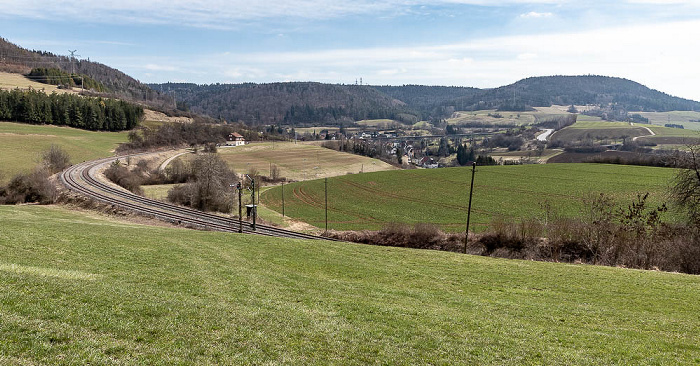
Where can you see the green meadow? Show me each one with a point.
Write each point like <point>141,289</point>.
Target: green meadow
<point>78,289</point>
<point>440,196</point>
<point>21,145</point>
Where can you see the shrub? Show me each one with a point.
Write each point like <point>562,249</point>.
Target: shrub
<point>125,178</point>
<point>55,159</point>
<point>32,187</point>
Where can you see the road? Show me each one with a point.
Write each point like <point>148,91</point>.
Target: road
<point>651,133</point>
<point>543,136</point>
<point>83,178</point>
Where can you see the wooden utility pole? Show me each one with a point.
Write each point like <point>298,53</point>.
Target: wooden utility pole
<point>240,207</point>
<point>469,209</point>
<point>326,189</point>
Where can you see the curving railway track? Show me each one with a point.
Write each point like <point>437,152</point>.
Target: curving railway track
<point>80,178</point>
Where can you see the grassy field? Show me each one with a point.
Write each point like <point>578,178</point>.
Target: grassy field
<point>379,123</point>
<point>598,131</point>
<point>440,196</point>
<point>540,114</point>
<point>527,154</point>
<point>21,145</point>
<point>9,81</point>
<point>683,118</point>
<point>82,290</point>
<point>514,118</point>
<point>299,161</point>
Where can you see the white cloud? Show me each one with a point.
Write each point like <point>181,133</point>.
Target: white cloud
<point>650,54</point>
<point>534,14</point>
<point>219,13</point>
<point>527,56</point>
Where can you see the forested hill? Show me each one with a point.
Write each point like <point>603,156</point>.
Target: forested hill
<point>20,60</point>
<point>579,90</point>
<point>427,97</point>
<point>288,103</point>
<point>314,103</point>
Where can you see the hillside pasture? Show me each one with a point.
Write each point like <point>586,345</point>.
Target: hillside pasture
<point>299,161</point>
<point>21,145</point>
<point>9,81</point>
<point>683,118</point>
<point>81,289</point>
<point>377,122</point>
<point>440,196</point>
<point>516,118</point>
<point>671,137</point>
<point>487,116</point>
<point>597,132</point>
<point>527,155</point>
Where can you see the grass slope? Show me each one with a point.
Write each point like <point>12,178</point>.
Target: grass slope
<point>83,290</point>
<point>21,145</point>
<point>597,131</point>
<point>440,196</point>
<point>9,81</point>
<point>298,161</point>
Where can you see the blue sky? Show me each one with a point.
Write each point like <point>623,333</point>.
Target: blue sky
<point>476,43</point>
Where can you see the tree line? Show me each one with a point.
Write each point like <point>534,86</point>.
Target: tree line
<point>96,114</point>
<point>56,76</point>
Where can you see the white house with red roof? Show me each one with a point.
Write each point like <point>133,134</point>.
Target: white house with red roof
<point>235,139</point>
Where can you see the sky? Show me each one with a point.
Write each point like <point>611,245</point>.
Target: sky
<point>477,43</point>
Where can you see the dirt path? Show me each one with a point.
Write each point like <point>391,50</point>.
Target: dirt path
<point>651,133</point>
<point>164,164</point>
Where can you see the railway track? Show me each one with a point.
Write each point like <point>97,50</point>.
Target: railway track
<point>80,178</point>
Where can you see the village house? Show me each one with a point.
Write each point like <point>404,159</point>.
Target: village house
<point>235,139</point>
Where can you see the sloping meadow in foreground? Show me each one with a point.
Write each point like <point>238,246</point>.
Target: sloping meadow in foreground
<point>76,290</point>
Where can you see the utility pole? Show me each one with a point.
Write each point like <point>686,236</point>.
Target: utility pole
<point>326,189</point>
<point>240,207</point>
<point>469,210</point>
<point>282,199</point>
<point>252,196</point>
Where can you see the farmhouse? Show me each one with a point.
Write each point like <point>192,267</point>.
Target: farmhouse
<point>235,139</point>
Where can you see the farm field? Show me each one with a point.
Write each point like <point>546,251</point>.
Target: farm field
<point>21,145</point>
<point>671,136</point>
<point>9,81</point>
<point>540,114</point>
<point>528,154</point>
<point>81,289</point>
<point>597,131</point>
<point>299,161</point>
<point>514,118</point>
<point>683,118</point>
<point>379,123</point>
<point>440,196</point>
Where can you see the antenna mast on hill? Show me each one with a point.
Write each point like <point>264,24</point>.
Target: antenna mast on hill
<point>72,59</point>
<point>72,67</point>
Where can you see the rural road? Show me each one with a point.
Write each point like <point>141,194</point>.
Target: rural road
<point>651,133</point>
<point>543,136</point>
<point>85,179</point>
<point>167,161</point>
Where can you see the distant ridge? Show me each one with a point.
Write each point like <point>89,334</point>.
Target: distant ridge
<point>545,91</point>
<point>313,103</point>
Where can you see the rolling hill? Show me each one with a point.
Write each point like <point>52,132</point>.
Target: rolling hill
<point>578,90</point>
<point>16,59</point>
<point>332,104</point>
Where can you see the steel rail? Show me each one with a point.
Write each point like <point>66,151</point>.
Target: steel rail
<point>81,178</point>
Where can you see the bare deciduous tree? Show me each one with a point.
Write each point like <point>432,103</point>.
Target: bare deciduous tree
<point>55,159</point>
<point>686,185</point>
<point>209,189</point>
